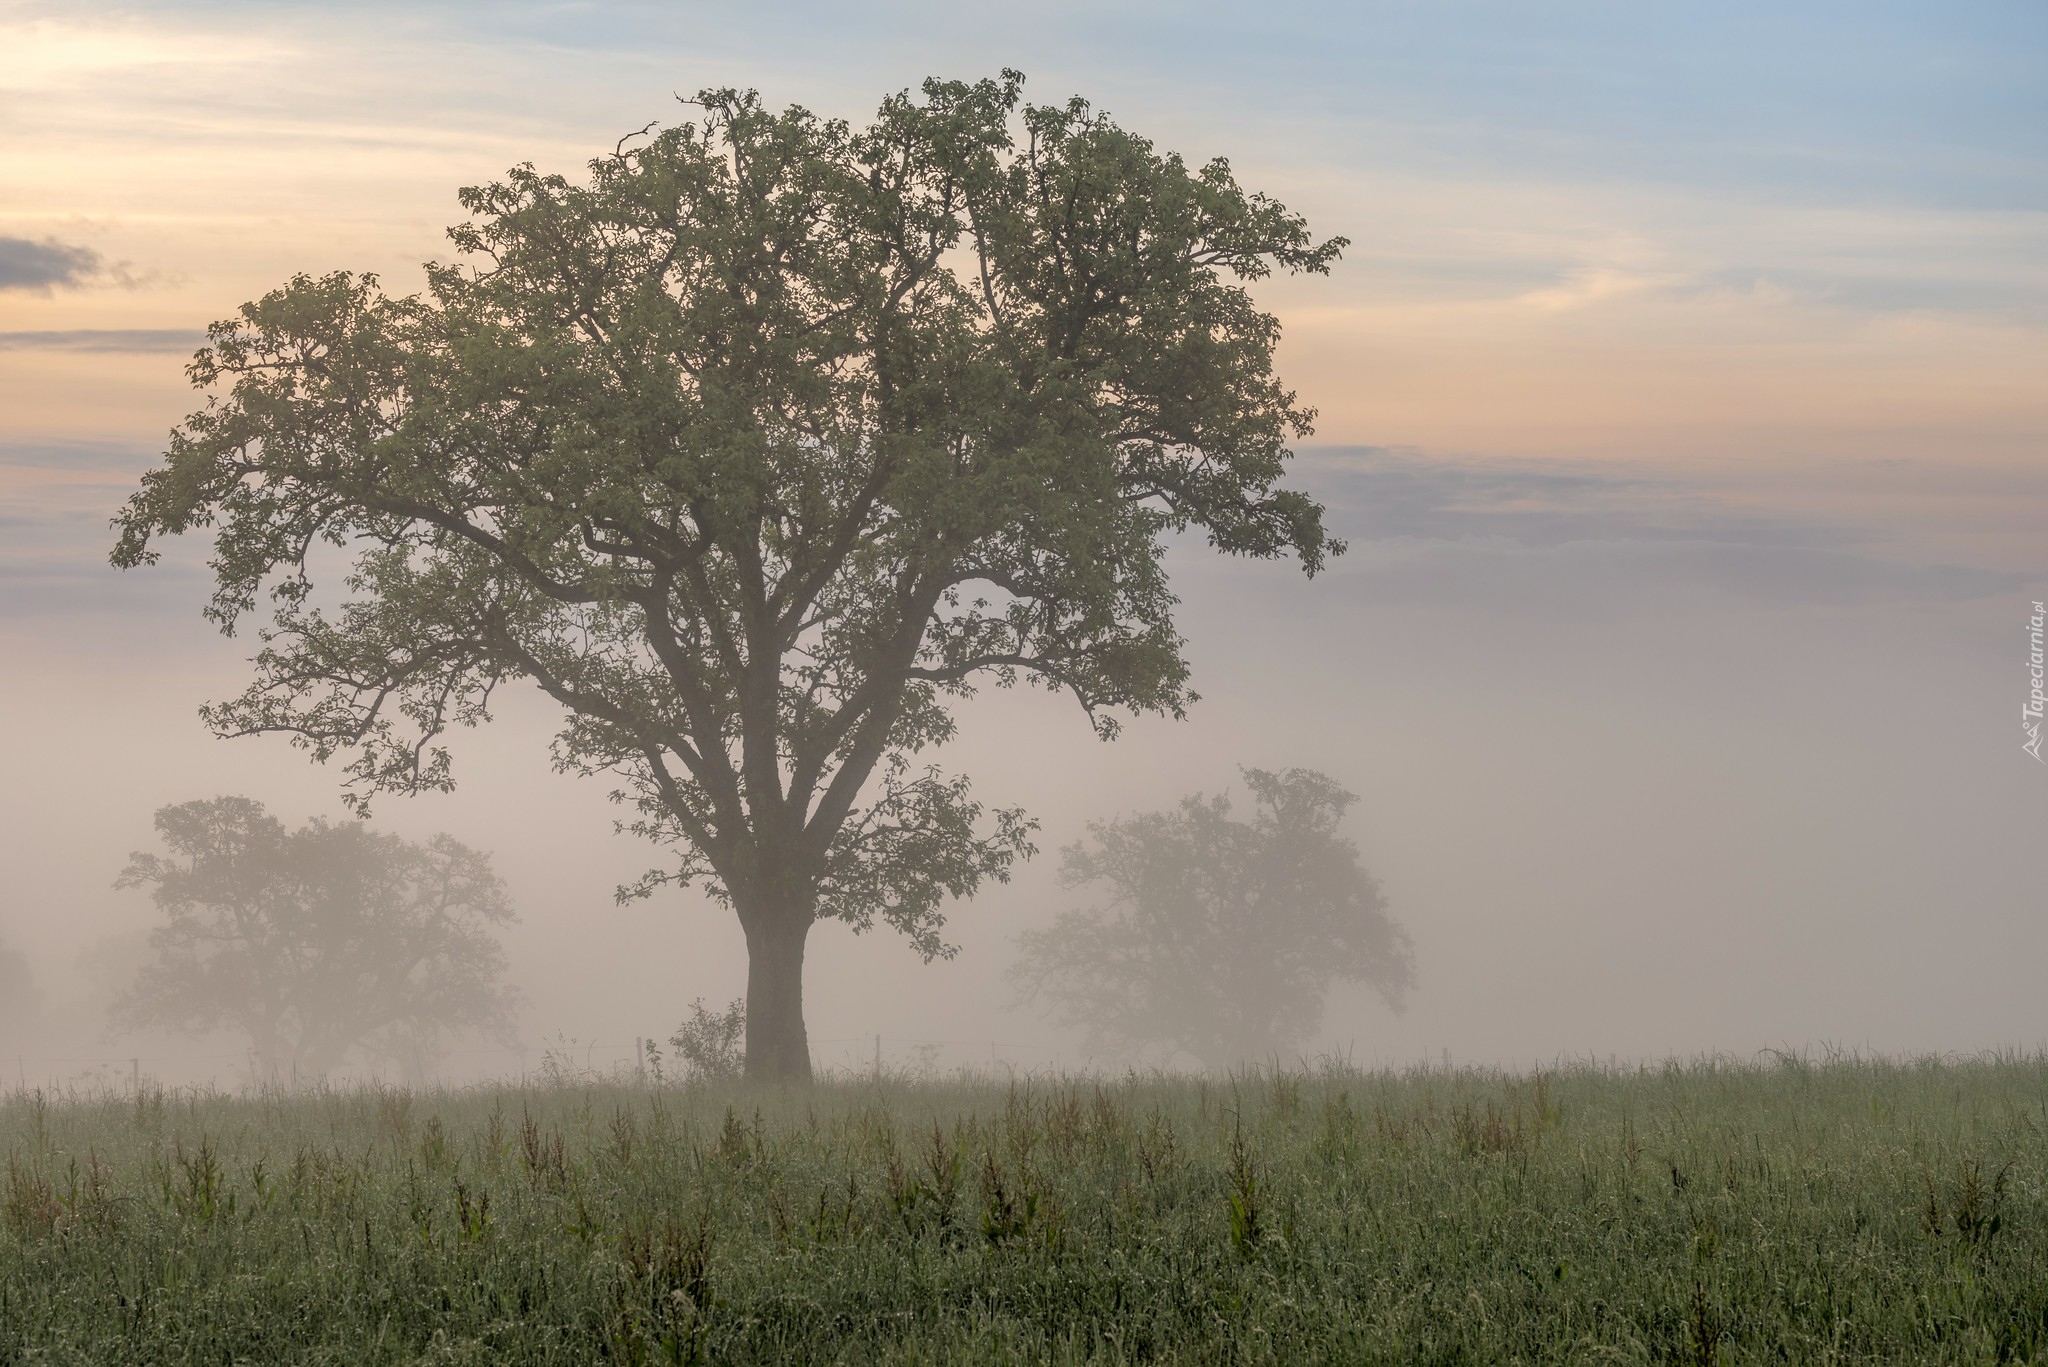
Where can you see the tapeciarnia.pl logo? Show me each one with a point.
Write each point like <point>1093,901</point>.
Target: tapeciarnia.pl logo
<point>2030,715</point>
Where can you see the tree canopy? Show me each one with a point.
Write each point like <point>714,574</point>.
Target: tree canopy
<point>1220,937</point>
<point>318,941</point>
<point>756,450</point>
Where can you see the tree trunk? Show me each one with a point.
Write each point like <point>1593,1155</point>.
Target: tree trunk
<point>778,1046</point>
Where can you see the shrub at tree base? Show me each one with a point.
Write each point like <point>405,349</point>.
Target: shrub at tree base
<point>710,1045</point>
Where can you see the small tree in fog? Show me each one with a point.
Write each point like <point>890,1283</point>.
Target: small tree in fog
<point>318,941</point>
<point>1218,937</point>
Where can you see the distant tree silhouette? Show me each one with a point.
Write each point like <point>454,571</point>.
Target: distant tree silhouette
<point>1220,938</point>
<point>318,941</point>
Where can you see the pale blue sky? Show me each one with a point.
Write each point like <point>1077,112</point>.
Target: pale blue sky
<point>1580,229</point>
<point>1923,104</point>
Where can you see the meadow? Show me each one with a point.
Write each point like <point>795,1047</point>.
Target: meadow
<point>1844,1211</point>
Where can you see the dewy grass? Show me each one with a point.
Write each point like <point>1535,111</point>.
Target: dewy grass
<point>1852,1211</point>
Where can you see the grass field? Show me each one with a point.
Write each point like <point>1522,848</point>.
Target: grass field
<point>1852,1211</point>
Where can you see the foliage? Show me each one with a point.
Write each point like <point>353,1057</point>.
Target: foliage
<point>318,941</point>
<point>711,1045</point>
<point>1855,1213</point>
<point>1221,937</point>
<point>754,452</point>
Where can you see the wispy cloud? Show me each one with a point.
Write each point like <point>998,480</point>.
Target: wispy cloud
<point>57,53</point>
<point>1383,495</point>
<point>1595,285</point>
<point>1485,536</point>
<point>130,340</point>
<point>40,267</point>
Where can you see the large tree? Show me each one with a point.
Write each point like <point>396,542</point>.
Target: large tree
<point>1219,937</point>
<point>317,942</point>
<point>755,451</point>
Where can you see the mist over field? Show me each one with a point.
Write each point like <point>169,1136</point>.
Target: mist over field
<point>1642,771</point>
<point>1691,473</point>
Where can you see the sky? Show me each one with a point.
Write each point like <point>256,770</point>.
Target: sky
<point>1680,396</point>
